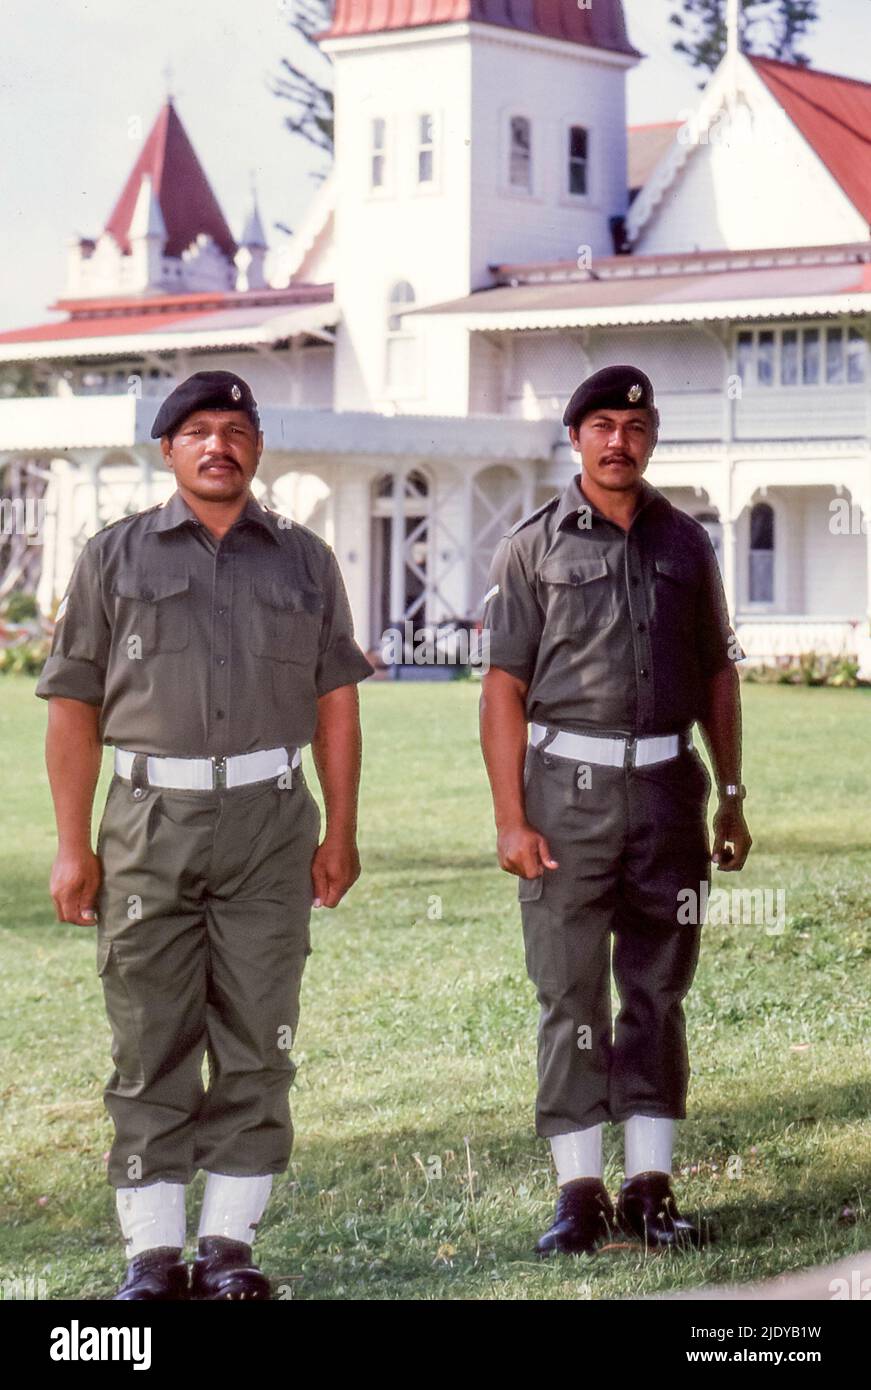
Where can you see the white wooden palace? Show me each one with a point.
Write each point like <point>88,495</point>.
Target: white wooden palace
<point>491,233</point>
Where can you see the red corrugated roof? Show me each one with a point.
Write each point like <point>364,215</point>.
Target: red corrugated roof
<point>834,115</point>
<point>601,26</point>
<point>97,318</point>
<point>186,199</point>
<point>100,327</point>
<point>298,293</point>
<point>750,284</point>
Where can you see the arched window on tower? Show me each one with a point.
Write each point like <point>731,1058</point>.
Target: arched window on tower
<point>761,577</point>
<point>402,364</point>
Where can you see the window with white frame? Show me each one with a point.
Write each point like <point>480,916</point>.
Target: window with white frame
<point>812,355</point>
<point>761,555</point>
<point>426,147</point>
<point>402,346</point>
<point>578,157</point>
<point>520,153</point>
<point>377,152</point>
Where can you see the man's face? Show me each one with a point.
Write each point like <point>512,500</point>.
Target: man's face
<point>615,446</point>
<point>214,454</point>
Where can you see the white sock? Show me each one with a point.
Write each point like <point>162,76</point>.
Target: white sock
<point>232,1206</point>
<point>649,1141</point>
<point>578,1154</point>
<point>151,1216</point>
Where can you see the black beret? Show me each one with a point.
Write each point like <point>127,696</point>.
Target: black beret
<point>613,388</point>
<point>205,391</point>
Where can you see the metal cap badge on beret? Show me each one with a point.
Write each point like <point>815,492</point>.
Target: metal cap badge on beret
<point>613,388</point>
<point>205,391</point>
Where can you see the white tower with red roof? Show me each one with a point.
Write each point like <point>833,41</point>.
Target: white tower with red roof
<point>467,133</point>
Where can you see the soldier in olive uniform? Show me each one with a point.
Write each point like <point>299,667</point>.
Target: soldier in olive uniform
<point>609,633</point>
<point>208,639</point>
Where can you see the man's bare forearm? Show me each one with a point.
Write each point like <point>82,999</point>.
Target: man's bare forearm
<point>502,717</point>
<point>337,749</point>
<point>73,755</point>
<point>721,725</point>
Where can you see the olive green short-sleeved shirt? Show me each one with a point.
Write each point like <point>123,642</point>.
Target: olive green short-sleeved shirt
<point>610,629</point>
<point>193,647</point>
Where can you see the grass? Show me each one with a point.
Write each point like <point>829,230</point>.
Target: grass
<point>416,1173</point>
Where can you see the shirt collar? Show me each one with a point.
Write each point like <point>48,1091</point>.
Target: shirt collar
<point>174,512</point>
<point>573,500</point>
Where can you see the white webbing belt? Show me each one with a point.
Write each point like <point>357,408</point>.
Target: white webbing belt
<point>198,774</point>
<point>609,752</point>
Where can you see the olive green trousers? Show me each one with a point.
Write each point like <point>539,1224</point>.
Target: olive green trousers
<point>202,939</point>
<point>630,843</point>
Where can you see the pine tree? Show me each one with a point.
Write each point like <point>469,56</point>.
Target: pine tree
<point>311,99</point>
<point>770,28</point>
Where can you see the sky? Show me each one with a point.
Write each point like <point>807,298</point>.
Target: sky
<point>79,78</point>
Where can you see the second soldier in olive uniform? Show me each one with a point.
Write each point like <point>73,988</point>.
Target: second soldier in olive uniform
<point>208,639</point>
<point>609,633</point>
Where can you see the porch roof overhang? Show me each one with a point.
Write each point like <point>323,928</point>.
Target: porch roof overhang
<point>104,336</point>
<point>648,290</point>
<point>53,425</point>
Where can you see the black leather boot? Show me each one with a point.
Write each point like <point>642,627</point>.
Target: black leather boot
<point>646,1209</point>
<point>224,1268</point>
<point>160,1273</point>
<point>584,1219</point>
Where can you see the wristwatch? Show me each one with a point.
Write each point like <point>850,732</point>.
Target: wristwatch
<point>733,792</point>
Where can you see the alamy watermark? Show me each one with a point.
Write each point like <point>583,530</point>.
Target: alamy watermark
<point>435,646</point>
<point>754,907</point>
<point>21,516</point>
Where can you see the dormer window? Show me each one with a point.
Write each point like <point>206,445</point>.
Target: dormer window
<point>425,147</point>
<point>520,153</point>
<point>378,152</point>
<point>578,145</point>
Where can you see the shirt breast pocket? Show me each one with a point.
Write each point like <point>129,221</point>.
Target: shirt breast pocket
<point>578,595</point>
<point>675,592</point>
<point>152,612</point>
<point>285,620</point>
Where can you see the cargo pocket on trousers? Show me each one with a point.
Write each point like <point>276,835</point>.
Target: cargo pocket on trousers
<point>126,1053</point>
<point>542,965</point>
<point>528,889</point>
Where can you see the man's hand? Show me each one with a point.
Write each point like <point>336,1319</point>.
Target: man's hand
<point>732,839</point>
<point>524,852</point>
<point>74,885</point>
<point>335,867</point>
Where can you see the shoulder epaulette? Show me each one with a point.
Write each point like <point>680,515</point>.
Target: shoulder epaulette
<point>533,516</point>
<point>130,516</point>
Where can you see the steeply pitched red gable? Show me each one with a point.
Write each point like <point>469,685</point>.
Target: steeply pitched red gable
<point>834,115</point>
<point>185,196</point>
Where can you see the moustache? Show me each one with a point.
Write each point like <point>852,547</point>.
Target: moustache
<point>210,463</point>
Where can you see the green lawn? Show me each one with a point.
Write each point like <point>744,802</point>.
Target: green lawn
<point>416,1047</point>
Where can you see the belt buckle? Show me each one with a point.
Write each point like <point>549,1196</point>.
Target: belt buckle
<point>630,751</point>
<point>219,771</point>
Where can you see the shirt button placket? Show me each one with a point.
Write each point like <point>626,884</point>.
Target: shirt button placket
<point>220,672</point>
<point>640,616</point>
